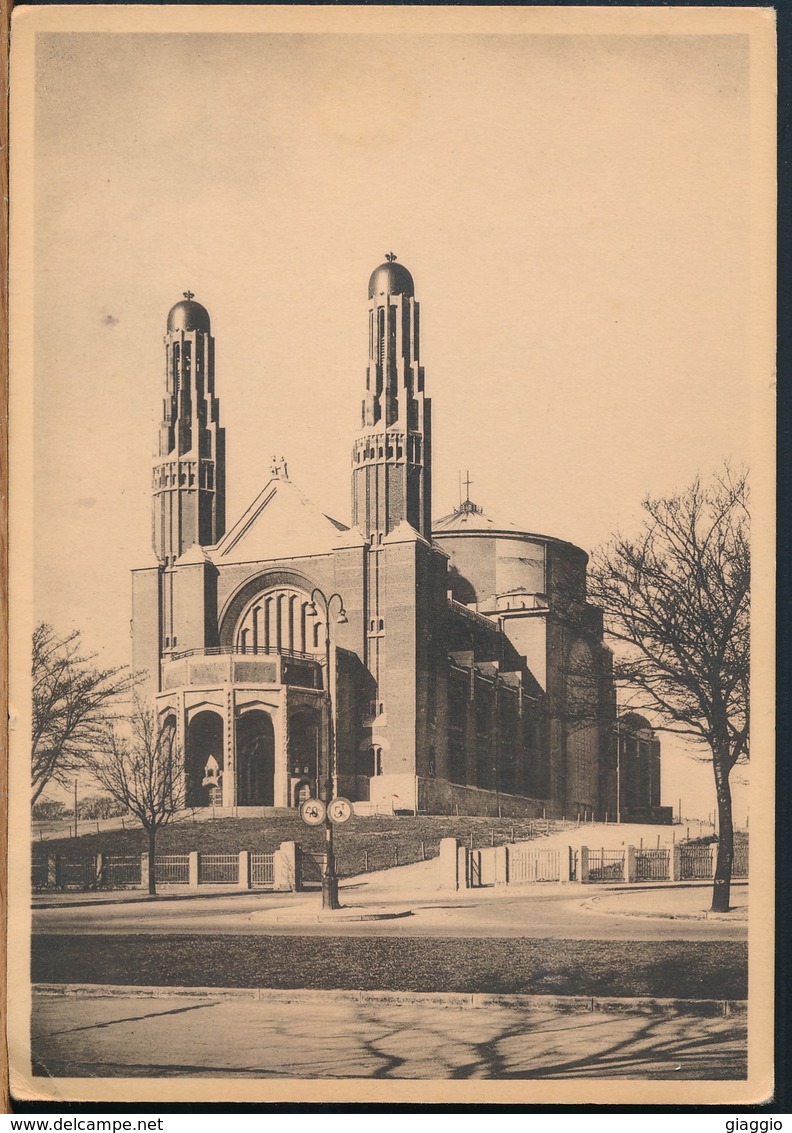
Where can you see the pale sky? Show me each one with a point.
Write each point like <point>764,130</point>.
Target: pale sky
<point>574,211</point>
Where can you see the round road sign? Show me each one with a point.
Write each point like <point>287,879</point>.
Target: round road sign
<point>313,812</point>
<point>339,810</point>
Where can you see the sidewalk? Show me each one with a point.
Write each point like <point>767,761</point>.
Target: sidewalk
<point>90,1033</point>
<point>682,900</point>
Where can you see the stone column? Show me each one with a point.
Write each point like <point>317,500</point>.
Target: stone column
<point>280,727</point>
<point>229,792</point>
<point>244,869</point>
<point>584,865</point>
<point>501,865</point>
<point>54,871</point>
<point>193,870</point>
<point>631,865</point>
<point>285,867</point>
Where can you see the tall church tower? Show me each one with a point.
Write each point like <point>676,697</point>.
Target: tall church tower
<point>391,459</point>
<point>189,476</point>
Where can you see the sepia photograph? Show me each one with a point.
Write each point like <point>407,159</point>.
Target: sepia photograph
<point>391,525</point>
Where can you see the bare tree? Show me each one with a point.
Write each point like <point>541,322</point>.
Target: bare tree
<point>143,772</point>
<point>72,703</point>
<point>677,603</point>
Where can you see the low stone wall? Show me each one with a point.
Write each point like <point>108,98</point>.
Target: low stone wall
<point>410,794</point>
<point>439,796</point>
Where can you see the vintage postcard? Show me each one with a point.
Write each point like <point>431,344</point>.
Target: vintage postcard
<point>392,554</point>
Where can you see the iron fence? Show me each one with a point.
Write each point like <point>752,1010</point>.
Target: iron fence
<point>383,854</point>
<point>695,862</point>
<point>119,870</point>
<point>218,869</point>
<point>262,870</point>
<point>740,863</point>
<point>312,867</point>
<point>526,866</point>
<point>39,874</point>
<point>482,867</point>
<point>172,869</point>
<point>606,865</point>
<point>78,873</point>
<point>652,865</point>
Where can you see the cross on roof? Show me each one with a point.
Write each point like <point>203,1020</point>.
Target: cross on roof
<point>188,294</point>
<point>467,484</point>
<point>390,257</point>
<point>279,471</point>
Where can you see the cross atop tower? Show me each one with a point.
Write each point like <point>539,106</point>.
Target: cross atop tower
<point>466,506</point>
<point>279,471</point>
<point>188,294</point>
<point>390,257</point>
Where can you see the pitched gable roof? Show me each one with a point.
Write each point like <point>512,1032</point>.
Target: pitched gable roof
<point>281,523</point>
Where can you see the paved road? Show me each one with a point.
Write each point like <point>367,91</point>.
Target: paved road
<point>545,911</point>
<point>333,1036</point>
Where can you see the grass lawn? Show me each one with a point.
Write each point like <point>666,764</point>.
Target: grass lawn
<point>380,842</point>
<point>676,969</point>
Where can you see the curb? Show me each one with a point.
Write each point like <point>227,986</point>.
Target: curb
<point>573,1004</point>
<point>332,916</point>
<point>161,898</point>
<point>592,907</point>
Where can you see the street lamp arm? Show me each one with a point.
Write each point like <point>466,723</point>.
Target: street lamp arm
<point>317,592</point>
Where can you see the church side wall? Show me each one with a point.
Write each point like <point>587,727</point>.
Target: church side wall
<point>473,567</point>
<point>146,625</point>
<point>189,606</point>
<point>399,693</point>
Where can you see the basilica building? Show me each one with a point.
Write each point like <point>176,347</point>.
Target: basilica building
<point>440,667</point>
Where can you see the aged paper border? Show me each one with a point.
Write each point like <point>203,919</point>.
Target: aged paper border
<point>758,24</point>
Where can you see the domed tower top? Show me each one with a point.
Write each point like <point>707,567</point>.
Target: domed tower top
<point>391,458</point>
<point>188,315</point>
<point>390,278</point>
<point>189,474</point>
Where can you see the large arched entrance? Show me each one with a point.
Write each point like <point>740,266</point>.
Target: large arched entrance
<point>305,765</point>
<point>204,738</point>
<point>255,757</point>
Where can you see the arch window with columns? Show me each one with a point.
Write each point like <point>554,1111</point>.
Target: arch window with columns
<point>278,621</point>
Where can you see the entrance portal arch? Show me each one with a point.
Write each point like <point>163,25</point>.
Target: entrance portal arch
<point>305,747</point>
<point>255,759</point>
<point>204,738</point>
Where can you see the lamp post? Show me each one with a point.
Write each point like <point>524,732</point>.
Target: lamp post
<point>329,877</point>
